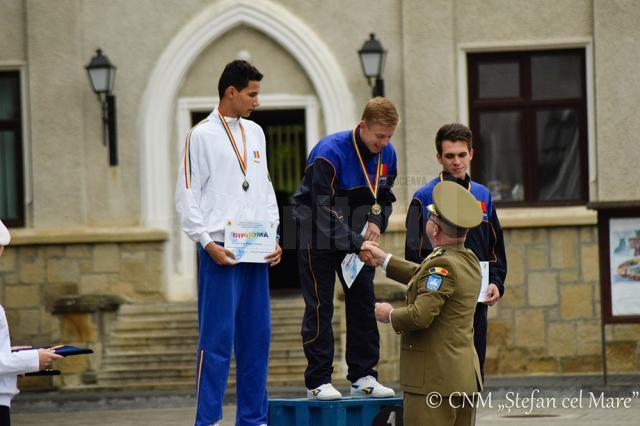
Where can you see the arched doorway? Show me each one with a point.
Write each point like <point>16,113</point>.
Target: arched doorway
<point>159,103</point>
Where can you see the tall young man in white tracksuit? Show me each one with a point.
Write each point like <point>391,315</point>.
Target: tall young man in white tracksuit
<point>224,177</point>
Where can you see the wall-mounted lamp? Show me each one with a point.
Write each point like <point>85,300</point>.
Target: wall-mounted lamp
<point>102,75</point>
<point>372,57</point>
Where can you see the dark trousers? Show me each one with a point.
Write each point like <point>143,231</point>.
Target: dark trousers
<point>317,270</point>
<point>5,416</point>
<point>480,333</point>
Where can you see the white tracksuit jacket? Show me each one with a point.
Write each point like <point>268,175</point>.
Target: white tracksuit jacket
<point>12,363</point>
<point>209,189</point>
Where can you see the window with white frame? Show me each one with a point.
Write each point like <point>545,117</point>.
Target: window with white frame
<point>529,119</point>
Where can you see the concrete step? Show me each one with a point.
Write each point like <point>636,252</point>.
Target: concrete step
<point>161,334</point>
<point>187,355</point>
<point>159,316</point>
<point>284,303</point>
<point>293,380</point>
<point>126,385</point>
<point>153,346</point>
<point>287,312</point>
<point>275,365</point>
<point>128,365</point>
<point>156,308</point>
<point>172,341</point>
<point>184,384</point>
<point>287,302</point>
<point>290,352</point>
<point>149,357</point>
<point>182,321</point>
<point>125,331</point>
<point>133,326</point>
<point>286,342</point>
<point>147,373</point>
<point>185,375</point>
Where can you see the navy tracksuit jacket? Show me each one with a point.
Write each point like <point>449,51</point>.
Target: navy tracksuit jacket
<point>485,241</point>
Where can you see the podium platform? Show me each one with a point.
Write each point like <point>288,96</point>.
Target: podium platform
<point>347,411</point>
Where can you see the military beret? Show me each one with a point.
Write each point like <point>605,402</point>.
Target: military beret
<point>455,205</point>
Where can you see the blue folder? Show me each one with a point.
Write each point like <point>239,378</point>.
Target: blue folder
<point>64,350</point>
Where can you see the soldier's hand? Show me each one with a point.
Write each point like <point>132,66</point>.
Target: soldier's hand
<point>369,253</point>
<point>379,254</point>
<point>220,255</point>
<point>493,295</point>
<point>373,233</point>
<point>382,311</point>
<point>367,257</point>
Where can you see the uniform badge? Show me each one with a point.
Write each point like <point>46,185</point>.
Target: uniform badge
<point>434,282</point>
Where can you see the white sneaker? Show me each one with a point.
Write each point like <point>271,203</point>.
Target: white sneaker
<point>368,386</point>
<point>324,392</point>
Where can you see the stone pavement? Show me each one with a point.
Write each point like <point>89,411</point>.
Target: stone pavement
<point>506,401</point>
<point>184,416</point>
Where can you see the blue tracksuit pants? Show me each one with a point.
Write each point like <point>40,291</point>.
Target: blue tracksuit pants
<point>233,311</point>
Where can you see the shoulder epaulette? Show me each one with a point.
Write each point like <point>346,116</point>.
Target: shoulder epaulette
<point>437,252</point>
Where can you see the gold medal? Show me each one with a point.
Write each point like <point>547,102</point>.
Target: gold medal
<point>376,209</point>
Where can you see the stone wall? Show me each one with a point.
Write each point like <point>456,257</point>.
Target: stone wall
<point>549,319</point>
<point>33,277</point>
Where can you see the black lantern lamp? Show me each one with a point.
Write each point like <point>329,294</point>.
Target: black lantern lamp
<point>102,75</point>
<point>372,57</point>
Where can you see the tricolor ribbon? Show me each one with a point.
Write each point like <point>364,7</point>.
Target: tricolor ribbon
<point>242,160</point>
<point>372,188</point>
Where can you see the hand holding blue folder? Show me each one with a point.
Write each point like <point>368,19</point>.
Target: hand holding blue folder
<point>64,350</point>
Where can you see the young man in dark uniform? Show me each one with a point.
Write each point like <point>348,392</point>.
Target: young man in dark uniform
<point>454,152</point>
<point>346,185</point>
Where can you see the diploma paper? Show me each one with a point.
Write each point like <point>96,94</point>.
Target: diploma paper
<point>351,264</point>
<point>250,241</point>
<point>484,270</point>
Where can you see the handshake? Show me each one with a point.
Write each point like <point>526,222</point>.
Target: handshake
<point>371,254</point>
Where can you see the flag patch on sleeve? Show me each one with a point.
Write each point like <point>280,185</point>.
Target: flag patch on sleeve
<point>438,270</point>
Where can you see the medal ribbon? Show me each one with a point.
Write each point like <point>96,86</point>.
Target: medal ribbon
<point>372,188</point>
<point>242,160</point>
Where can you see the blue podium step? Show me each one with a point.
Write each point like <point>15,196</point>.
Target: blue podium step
<point>343,412</point>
